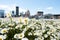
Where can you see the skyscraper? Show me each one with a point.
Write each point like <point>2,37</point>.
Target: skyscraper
<point>17,11</point>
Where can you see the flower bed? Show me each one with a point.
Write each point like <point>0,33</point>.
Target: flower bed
<point>29,29</point>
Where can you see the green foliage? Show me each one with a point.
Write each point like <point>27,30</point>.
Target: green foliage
<point>23,26</point>
<point>13,25</point>
<point>48,38</point>
<point>11,33</point>
<point>30,37</point>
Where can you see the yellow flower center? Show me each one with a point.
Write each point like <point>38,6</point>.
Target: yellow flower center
<point>26,21</point>
<point>0,38</point>
<point>4,31</point>
<point>20,35</point>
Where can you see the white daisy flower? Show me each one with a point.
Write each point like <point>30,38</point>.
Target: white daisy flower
<point>45,35</point>
<point>1,38</point>
<point>21,35</point>
<point>4,31</point>
<point>29,33</point>
<point>24,38</point>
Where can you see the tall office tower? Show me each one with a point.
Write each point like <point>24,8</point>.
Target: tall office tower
<point>17,11</point>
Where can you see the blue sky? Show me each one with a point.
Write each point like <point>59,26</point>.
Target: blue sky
<point>47,6</point>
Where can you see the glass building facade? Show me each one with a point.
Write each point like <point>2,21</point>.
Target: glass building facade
<point>17,11</point>
<point>2,14</point>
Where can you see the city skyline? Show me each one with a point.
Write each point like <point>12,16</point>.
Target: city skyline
<point>47,6</point>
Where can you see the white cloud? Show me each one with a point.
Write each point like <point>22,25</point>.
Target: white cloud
<point>21,9</point>
<point>49,8</point>
<point>5,7</point>
<point>8,8</point>
<point>38,9</point>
